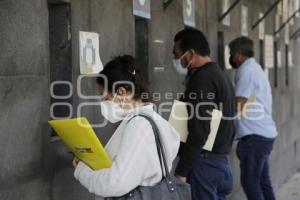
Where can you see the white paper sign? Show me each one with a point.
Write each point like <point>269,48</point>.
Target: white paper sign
<point>287,34</point>
<point>189,13</point>
<point>90,62</point>
<point>227,56</point>
<point>279,59</point>
<point>291,11</point>
<point>290,59</point>
<point>269,51</point>
<point>297,5</point>
<point>261,28</point>
<point>285,10</point>
<point>277,24</point>
<point>226,5</point>
<point>244,21</point>
<point>279,8</point>
<point>142,8</point>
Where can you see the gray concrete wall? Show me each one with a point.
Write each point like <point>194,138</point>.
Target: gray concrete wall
<point>24,100</point>
<point>31,166</point>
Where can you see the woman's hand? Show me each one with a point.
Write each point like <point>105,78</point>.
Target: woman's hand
<point>75,162</point>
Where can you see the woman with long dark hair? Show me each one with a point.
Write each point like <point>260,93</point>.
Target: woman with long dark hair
<point>132,148</point>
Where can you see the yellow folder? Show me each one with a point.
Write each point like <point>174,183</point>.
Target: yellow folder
<point>80,138</point>
<point>251,100</point>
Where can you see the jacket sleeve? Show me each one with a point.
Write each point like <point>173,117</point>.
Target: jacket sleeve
<point>200,98</point>
<point>132,164</point>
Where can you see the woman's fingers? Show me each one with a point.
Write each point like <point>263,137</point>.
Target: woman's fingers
<point>75,162</point>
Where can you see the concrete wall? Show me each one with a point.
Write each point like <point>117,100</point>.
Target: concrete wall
<point>31,166</point>
<point>24,99</point>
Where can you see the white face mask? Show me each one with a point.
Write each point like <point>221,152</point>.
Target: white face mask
<point>178,66</point>
<point>112,111</point>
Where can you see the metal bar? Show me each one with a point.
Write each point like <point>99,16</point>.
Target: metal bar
<point>266,14</point>
<point>275,64</point>
<point>297,37</point>
<point>286,65</point>
<point>287,21</point>
<point>229,10</point>
<point>296,33</point>
<point>58,1</point>
<point>167,3</point>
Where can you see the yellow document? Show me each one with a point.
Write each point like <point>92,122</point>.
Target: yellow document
<point>216,118</point>
<point>179,117</point>
<point>250,102</point>
<point>80,138</point>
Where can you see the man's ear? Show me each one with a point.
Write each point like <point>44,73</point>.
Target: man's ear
<point>192,52</point>
<point>242,58</point>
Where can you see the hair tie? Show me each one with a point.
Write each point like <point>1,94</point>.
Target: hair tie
<point>132,73</point>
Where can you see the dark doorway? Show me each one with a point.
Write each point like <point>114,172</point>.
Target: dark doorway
<point>60,58</point>
<point>221,49</point>
<point>286,65</point>
<point>142,46</point>
<point>261,54</point>
<point>275,64</point>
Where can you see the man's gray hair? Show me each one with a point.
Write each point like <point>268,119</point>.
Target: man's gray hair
<point>243,45</point>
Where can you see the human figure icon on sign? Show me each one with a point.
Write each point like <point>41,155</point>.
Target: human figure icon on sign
<point>89,56</point>
<point>142,8</point>
<point>142,2</point>
<point>90,62</point>
<point>189,8</point>
<point>189,13</point>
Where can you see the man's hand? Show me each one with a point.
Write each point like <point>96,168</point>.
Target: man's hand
<point>240,103</point>
<point>181,178</point>
<point>75,162</point>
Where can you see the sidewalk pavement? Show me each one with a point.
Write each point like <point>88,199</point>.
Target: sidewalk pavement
<point>291,189</point>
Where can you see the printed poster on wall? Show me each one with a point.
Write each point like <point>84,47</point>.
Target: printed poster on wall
<point>244,21</point>
<point>297,5</point>
<point>227,56</point>
<point>261,28</point>
<point>90,62</point>
<point>269,51</point>
<point>294,6</point>
<point>291,11</point>
<point>226,5</point>
<point>287,34</point>
<point>285,10</point>
<point>290,59</point>
<point>189,13</point>
<point>279,59</point>
<point>277,24</point>
<point>142,8</point>
<point>279,8</point>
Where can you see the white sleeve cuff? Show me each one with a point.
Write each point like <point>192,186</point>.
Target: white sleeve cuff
<point>80,167</point>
